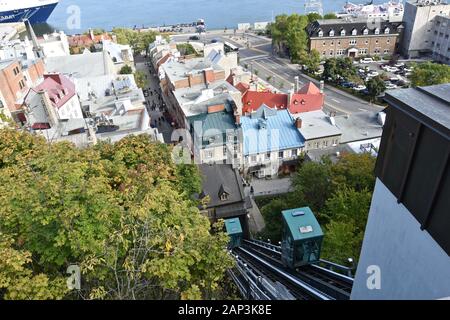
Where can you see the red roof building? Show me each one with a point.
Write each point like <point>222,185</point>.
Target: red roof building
<point>253,100</point>
<point>309,98</point>
<point>58,87</point>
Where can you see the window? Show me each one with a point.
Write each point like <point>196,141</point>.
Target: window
<point>342,33</point>
<point>339,43</point>
<point>294,152</point>
<point>331,34</point>
<point>386,31</point>
<point>253,159</point>
<point>366,31</point>
<point>376,41</point>
<point>388,41</point>
<point>353,42</point>
<point>386,51</point>
<point>267,156</point>
<point>324,43</point>
<point>367,42</point>
<point>280,155</point>
<point>320,33</point>
<point>332,43</point>
<point>209,154</point>
<point>354,32</point>
<point>225,151</point>
<point>377,31</point>
<point>331,52</point>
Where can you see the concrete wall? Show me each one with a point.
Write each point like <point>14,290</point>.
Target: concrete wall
<point>413,266</point>
<point>322,143</point>
<point>441,39</point>
<point>418,27</point>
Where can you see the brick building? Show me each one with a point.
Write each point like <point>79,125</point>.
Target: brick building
<point>16,77</point>
<point>354,37</point>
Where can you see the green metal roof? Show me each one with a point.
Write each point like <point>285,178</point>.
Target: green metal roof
<point>219,122</point>
<point>302,223</point>
<point>233,226</point>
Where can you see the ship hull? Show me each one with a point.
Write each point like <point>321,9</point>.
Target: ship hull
<point>35,15</point>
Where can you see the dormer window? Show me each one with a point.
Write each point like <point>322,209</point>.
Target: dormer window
<point>386,31</point>
<point>320,33</point>
<point>224,194</point>
<point>354,32</point>
<point>342,32</point>
<point>377,31</point>
<point>331,34</point>
<point>366,31</point>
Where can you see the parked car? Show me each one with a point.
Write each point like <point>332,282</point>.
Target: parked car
<point>392,69</point>
<point>347,84</point>
<point>360,87</point>
<point>194,38</point>
<point>373,74</point>
<point>399,65</point>
<point>390,85</point>
<point>366,60</point>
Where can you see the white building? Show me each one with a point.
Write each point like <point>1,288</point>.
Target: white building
<point>418,20</point>
<point>121,55</point>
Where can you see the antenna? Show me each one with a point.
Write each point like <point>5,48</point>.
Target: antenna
<point>314,6</point>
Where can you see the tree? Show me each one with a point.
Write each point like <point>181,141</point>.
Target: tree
<point>139,41</point>
<point>430,73</point>
<point>312,184</point>
<point>375,86</point>
<point>355,171</point>
<point>313,16</point>
<point>337,68</point>
<point>186,49</point>
<point>311,60</point>
<point>329,16</point>
<point>122,212</point>
<point>126,70</point>
<point>141,79</point>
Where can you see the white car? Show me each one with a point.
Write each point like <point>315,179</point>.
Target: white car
<point>373,74</point>
<point>392,69</point>
<point>366,60</point>
<point>359,88</point>
<point>390,86</point>
<point>399,65</point>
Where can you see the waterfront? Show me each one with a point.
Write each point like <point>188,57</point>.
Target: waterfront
<point>217,13</point>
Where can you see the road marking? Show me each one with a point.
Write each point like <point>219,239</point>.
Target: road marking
<point>337,101</point>
<point>362,109</point>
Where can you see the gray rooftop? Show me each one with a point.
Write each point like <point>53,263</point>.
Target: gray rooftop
<point>359,126</point>
<point>81,65</point>
<point>5,63</point>
<point>316,124</point>
<point>178,70</point>
<point>431,104</point>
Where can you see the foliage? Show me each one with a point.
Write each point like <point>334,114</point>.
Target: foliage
<point>330,15</point>
<point>311,60</point>
<point>335,68</point>
<point>375,86</point>
<point>121,211</point>
<point>126,69</point>
<point>141,79</point>
<point>186,49</point>
<point>138,40</point>
<point>338,193</point>
<point>96,32</point>
<point>313,16</point>
<point>288,33</point>
<point>429,73</point>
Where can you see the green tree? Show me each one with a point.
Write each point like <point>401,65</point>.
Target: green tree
<point>375,86</point>
<point>186,49</point>
<point>141,79</point>
<point>311,60</point>
<point>329,16</point>
<point>313,16</point>
<point>355,171</point>
<point>138,40</point>
<point>121,211</point>
<point>430,73</point>
<point>126,70</point>
<point>336,68</point>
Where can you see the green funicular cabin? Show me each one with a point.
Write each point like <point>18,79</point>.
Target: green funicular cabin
<point>234,231</point>
<point>302,238</point>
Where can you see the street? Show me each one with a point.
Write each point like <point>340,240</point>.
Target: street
<point>256,54</point>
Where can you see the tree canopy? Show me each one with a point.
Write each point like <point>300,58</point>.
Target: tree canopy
<point>430,73</point>
<point>138,40</point>
<point>338,193</point>
<point>123,212</point>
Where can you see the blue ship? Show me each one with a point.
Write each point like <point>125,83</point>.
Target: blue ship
<point>35,11</point>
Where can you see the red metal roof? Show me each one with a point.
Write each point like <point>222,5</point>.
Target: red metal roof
<point>308,98</point>
<point>58,87</point>
<point>252,100</point>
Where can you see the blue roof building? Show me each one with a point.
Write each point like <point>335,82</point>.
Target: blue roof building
<point>268,130</point>
<point>271,142</point>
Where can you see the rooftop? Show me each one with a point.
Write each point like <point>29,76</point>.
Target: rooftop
<point>58,87</point>
<point>179,70</point>
<point>81,65</point>
<point>316,124</point>
<point>360,126</point>
<point>302,223</point>
<point>269,130</point>
<point>430,104</point>
<point>216,122</point>
<point>253,100</point>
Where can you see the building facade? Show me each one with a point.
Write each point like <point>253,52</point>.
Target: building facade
<point>354,37</point>
<point>441,39</point>
<point>420,26</point>
<point>406,248</point>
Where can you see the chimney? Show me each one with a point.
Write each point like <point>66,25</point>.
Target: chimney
<point>291,95</point>
<point>296,85</point>
<point>298,123</point>
<point>322,86</point>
